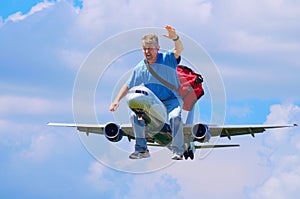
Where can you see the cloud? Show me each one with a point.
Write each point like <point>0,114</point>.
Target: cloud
<point>41,161</point>
<point>41,147</point>
<point>19,16</point>
<point>108,182</point>
<point>32,142</point>
<point>186,179</point>
<point>282,114</point>
<point>283,183</point>
<point>15,105</point>
<point>281,151</point>
<point>255,46</point>
<point>96,18</point>
<point>157,186</point>
<point>249,26</point>
<point>17,133</point>
<point>95,175</point>
<point>245,42</point>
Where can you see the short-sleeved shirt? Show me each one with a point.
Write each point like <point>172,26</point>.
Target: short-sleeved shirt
<point>165,67</point>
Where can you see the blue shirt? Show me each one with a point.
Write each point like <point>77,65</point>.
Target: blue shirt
<point>165,67</point>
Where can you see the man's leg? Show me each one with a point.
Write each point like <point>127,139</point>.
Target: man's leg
<point>141,150</point>
<point>177,133</point>
<point>174,110</point>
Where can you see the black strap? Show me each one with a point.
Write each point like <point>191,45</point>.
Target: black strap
<point>167,84</point>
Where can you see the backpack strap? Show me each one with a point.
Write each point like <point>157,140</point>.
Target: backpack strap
<point>167,84</point>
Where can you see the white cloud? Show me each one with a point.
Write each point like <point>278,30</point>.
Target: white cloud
<point>246,42</point>
<point>156,185</point>
<point>41,147</point>
<point>36,143</point>
<point>31,105</point>
<point>282,184</point>
<point>97,18</point>
<point>25,140</point>
<point>282,114</point>
<point>186,179</point>
<point>256,26</point>
<point>19,16</point>
<point>283,157</point>
<point>260,78</point>
<point>94,177</point>
<point>161,185</point>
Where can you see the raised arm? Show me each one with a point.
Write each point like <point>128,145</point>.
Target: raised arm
<point>178,44</point>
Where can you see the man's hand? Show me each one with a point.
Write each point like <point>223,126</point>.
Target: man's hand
<point>171,33</point>
<point>113,107</point>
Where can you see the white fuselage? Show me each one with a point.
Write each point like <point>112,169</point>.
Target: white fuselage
<point>143,99</point>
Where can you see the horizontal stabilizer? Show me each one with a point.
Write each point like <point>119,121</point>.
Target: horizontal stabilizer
<point>208,146</point>
<point>155,145</point>
<point>203,146</point>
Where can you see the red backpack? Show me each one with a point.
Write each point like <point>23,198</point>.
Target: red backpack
<point>190,88</point>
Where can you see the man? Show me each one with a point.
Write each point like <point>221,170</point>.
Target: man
<point>161,64</point>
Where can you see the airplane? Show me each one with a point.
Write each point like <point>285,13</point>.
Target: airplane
<point>149,108</point>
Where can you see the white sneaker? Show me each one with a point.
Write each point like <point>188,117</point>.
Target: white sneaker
<point>177,157</point>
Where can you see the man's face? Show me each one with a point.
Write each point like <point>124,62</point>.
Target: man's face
<point>150,52</point>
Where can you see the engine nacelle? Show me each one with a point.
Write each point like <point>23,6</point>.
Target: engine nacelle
<point>113,132</point>
<point>201,133</point>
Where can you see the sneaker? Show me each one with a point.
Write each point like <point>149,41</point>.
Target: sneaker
<point>139,155</point>
<point>177,157</point>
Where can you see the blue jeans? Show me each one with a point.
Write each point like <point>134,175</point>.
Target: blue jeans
<point>174,108</point>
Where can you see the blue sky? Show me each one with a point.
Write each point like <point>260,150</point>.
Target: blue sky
<point>255,45</point>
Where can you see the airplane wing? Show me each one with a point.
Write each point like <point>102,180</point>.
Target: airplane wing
<point>192,132</point>
<point>96,128</point>
<point>236,130</point>
<point>215,130</point>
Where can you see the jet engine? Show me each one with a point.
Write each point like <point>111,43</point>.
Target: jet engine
<point>113,132</point>
<point>201,133</point>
